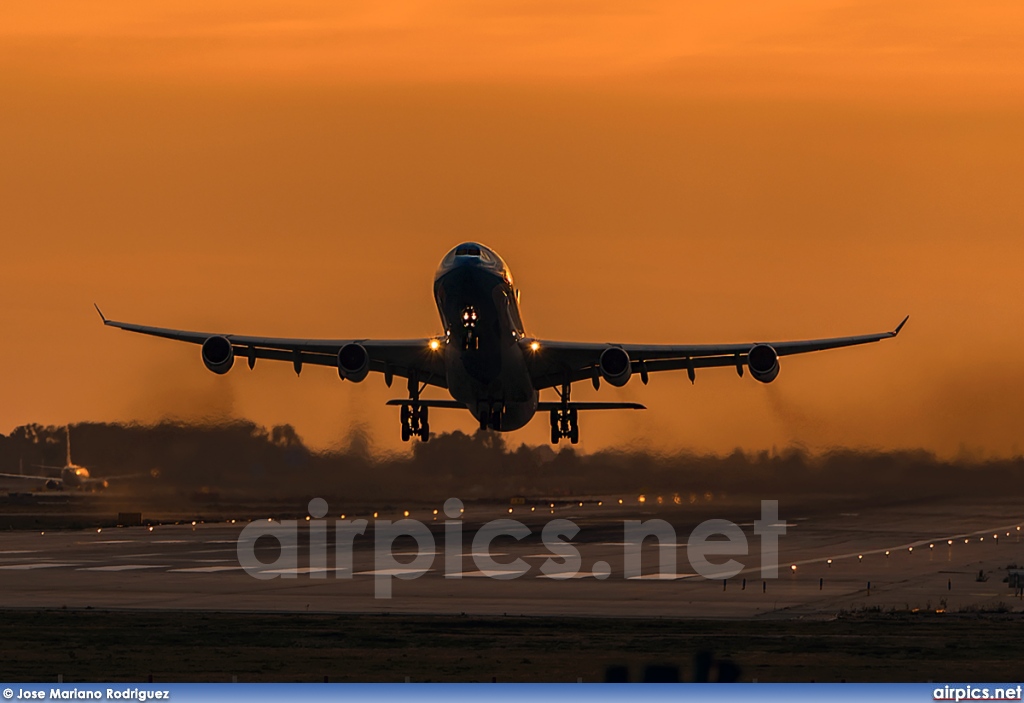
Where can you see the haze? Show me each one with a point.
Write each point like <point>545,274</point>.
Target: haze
<point>663,173</point>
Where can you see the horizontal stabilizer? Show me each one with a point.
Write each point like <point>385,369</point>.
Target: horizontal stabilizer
<point>555,405</point>
<point>451,404</point>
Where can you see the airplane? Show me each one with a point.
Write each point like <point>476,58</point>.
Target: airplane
<point>71,475</point>
<point>485,359</point>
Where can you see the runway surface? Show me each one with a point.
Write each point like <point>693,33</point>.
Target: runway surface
<point>935,554</point>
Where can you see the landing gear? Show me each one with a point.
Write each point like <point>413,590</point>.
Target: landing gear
<point>565,421</point>
<point>415,420</point>
<point>490,419</point>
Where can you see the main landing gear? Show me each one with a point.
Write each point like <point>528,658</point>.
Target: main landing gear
<point>565,421</point>
<point>415,421</point>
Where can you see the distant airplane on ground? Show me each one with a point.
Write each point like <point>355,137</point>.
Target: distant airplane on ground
<point>485,359</point>
<point>70,475</point>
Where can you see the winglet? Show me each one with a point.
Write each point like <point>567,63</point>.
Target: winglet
<point>100,312</point>
<point>900,326</point>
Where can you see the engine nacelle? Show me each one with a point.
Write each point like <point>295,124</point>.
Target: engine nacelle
<point>615,366</point>
<point>218,354</point>
<point>353,362</point>
<point>763,362</point>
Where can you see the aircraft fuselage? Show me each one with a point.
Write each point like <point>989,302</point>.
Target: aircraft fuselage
<point>485,365</point>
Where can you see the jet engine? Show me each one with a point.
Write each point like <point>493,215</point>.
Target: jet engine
<point>353,363</point>
<point>763,362</point>
<point>218,354</point>
<point>615,366</point>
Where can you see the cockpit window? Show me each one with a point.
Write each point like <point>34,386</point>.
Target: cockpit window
<point>481,257</point>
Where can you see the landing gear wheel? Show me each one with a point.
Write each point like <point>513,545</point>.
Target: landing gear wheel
<point>406,433</point>
<point>555,434</point>
<point>496,420</point>
<point>574,435</point>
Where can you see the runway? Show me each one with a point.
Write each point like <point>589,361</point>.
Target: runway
<point>890,558</point>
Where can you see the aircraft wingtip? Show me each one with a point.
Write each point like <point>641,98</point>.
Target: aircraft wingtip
<point>900,326</point>
<point>102,316</point>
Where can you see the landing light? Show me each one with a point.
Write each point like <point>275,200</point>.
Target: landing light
<point>534,346</point>
<point>793,568</point>
<point>434,345</point>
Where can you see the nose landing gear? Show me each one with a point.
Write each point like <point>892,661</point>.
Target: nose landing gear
<point>490,419</point>
<point>565,421</point>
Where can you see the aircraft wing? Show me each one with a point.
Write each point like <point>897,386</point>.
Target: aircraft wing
<point>391,357</point>
<point>553,363</point>
<point>29,477</point>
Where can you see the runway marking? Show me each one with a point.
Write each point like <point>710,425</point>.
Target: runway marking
<point>20,551</point>
<point>392,572</point>
<point>488,573</point>
<point>221,541</point>
<point>110,541</point>
<point>302,570</point>
<point>646,543</point>
<point>204,569</point>
<point>37,565</point>
<point>172,541</point>
<point>660,577</point>
<point>566,575</point>
<point>124,567</point>
<point>415,554</point>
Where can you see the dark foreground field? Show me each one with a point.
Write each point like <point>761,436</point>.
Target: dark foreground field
<point>197,646</point>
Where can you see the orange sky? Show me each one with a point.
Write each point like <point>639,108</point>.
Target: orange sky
<point>652,171</point>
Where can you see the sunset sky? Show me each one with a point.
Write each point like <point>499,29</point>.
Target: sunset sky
<point>651,171</point>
